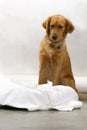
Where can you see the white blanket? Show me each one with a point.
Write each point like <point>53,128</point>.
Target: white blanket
<point>42,97</point>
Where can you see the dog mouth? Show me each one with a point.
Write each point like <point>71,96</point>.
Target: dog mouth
<point>55,41</point>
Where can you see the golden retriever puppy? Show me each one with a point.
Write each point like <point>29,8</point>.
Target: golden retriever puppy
<point>55,62</point>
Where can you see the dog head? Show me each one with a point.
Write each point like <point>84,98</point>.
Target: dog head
<point>57,27</point>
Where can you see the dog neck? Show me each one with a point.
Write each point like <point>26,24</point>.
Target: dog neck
<point>57,47</point>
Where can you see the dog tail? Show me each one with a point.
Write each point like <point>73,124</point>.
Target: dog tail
<point>82,96</point>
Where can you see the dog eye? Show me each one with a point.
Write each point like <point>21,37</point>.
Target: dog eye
<point>60,26</point>
<point>51,26</point>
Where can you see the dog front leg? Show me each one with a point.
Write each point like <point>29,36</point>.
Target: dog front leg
<point>43,70</point>
<point>56,79</point>
<point>42,76</point>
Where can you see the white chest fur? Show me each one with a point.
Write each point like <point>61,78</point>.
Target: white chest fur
<point>50,53</point>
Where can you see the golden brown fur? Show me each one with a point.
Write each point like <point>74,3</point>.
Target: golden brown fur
<point>55,63</point>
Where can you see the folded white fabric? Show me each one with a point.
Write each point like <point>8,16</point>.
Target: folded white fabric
<point>42,97</point>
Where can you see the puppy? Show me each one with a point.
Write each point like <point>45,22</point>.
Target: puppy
<point>55,64</point>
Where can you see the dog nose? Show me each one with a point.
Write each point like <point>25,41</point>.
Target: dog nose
<point>54,37</point>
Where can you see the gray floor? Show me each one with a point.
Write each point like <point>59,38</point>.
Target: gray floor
<point>11,119</point>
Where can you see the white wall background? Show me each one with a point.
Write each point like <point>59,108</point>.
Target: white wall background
<point>21,33</point>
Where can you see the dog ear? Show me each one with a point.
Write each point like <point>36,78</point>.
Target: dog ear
<point>69,26</point>
<point>46,25</point>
